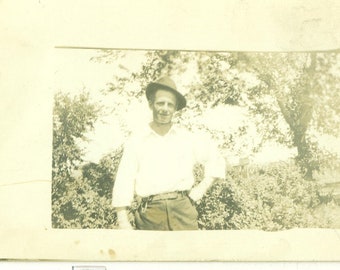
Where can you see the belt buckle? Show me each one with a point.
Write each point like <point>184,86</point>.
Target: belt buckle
<point>145,202</point>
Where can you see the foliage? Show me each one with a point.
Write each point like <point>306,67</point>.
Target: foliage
<point>72,119</point>
<point>81,207</point>
<point>274,197</point>
<point>301,85</point>
<point>87,201</point>
<point>217,208</point>
<point>101,176</point>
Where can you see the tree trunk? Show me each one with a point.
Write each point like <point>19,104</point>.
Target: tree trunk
<point>298,115</point>
<point>304,156</point>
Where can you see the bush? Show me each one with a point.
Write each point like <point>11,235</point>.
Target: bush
<point>86,202</point>
<point>82,208</point>
<point>273,197</point>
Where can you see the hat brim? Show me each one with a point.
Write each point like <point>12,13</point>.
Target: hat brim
<point>152,87</point>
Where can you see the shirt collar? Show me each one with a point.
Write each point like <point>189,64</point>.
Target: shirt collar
<point>149,131</point>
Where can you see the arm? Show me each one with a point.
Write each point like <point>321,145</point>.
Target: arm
<point>198,191</point>
<point>123,190</point>
<point>214,166</point>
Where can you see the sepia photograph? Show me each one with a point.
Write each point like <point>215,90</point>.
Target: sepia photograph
<point>196,140</point>
<point>162,131</point>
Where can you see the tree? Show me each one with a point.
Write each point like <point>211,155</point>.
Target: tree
<point>72,119</point>
<point>304,87</point>
<point>295,88</point>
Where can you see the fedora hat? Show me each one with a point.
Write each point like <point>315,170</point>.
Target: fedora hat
<point>166,83</point>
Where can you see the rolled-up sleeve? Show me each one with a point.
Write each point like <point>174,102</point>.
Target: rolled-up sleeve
<point>124,186</point>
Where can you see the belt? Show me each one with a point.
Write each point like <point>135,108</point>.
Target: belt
<point>166,196</point>
<point>162,196</point>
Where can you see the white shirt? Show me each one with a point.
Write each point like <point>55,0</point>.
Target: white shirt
<point>153,164</point>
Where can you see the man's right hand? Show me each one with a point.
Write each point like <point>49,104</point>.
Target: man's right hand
<point>123,220</point>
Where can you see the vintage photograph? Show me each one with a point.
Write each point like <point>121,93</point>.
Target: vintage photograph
<point>168,140</point>
<point>169,131</point>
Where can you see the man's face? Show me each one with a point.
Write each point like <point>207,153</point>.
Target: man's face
<point>163,106</point>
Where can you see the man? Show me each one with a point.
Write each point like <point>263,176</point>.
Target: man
<point>157,166</point>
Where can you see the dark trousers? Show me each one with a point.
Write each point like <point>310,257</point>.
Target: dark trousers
<point>167,215</point>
